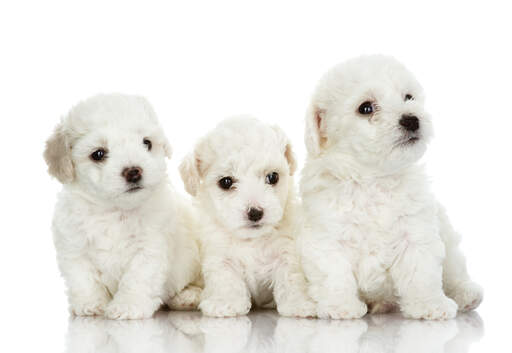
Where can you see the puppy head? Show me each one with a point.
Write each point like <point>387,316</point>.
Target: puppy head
<point>241,174</point>
<point>111,148</point>
<point>370,109</point>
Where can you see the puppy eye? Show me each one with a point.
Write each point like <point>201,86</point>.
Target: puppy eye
<point>408,97</point>
<point>148,144</point>
<point>225,183</point>
<point>366,108</point>
<point>272,178</point>
<point>98,155</point>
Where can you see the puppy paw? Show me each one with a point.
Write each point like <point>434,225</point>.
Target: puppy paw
<point>188,299</point>
<point>225,307</point>
<point>302,307</point>
<point>468,296</point>
<point>88,306</point>
<point>442,308</point>
<point>131,307</point>
<point>346,309</point>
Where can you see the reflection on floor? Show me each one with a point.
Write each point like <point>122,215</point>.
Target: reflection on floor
<point>265,331</point>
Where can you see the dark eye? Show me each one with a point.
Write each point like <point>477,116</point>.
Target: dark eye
<point>148,144</point>
<point>366,108</point>
<point>272,178</point>
<point>408,97</point>
<point>225,183</point>
<point>98,155</point>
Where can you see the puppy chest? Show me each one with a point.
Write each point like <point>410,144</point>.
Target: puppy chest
<point>112,246</point>
<point>259,262</point>
<point>383,225</point>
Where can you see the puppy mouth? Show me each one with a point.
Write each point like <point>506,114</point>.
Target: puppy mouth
<point>411,140</point>
<point>253,226</point>
<point>408,141</point>
<point>134,189</point>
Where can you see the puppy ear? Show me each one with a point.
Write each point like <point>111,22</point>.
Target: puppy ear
<point>290,157</point>
<point>288,151</point>
<point>167,148</point>
<point>189,171</point>
<point>58,155</point>
<point>314,136</point>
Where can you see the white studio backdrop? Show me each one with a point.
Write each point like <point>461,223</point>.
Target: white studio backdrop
<point>200,61</point>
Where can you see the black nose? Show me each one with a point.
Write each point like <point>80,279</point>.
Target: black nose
<point>255,214</point>
<point>410,122</point>
<point>132,174</point>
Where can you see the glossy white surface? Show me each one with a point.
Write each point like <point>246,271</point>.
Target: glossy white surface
<point>265,331</point>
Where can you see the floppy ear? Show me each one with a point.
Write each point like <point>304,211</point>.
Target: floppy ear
<point>288,151</point>
<point>314,135</point>
<point>189,171</point>
<point>167,148</point>
<point>58,155</point>
<point>152,115</point>
<point>290,157</point>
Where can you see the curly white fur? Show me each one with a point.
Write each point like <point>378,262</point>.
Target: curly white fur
<point>123,248</point>
<point>244,259</point>
<point>374,232</point>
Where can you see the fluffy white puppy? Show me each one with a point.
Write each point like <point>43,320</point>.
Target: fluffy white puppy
<point>123,236</point>
<point>375,233</point>
<point>241,176</point>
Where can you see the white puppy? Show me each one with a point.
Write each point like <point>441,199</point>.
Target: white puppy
<point>123,237</point>
<point>241,175</point>
<point>375,234</point>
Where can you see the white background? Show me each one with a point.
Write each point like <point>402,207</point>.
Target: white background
<point>198,62</point>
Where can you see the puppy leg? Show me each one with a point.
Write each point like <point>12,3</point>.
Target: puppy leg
<point>417,277</point>
<point>87,295</point>
<point>456,282</point>
<point>142,286</point>
<point>225,293</point>
<point>332,282</point>
<point>290,288</point>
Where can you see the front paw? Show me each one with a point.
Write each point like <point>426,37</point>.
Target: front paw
<point>468,296</point>
<point>128,307</point>
<point>342,309</point>
<point>299,307</point>
<point>88,306</point>
<point>218,306</point>
<point>442,308</point>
